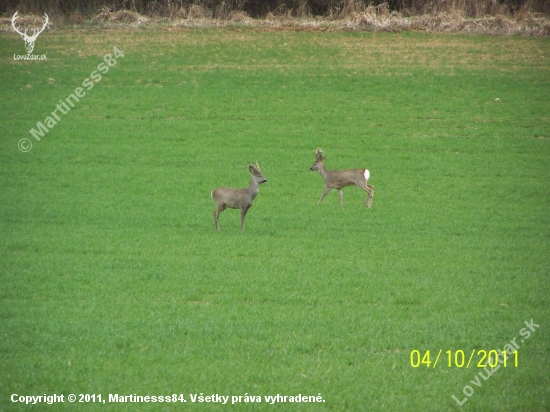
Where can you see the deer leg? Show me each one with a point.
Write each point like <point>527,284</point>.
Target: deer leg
<point>371,195</point>
<point>340,195</point>
<point>370,190</point>
<point>327,189</point>
<point>243,216</point>
<point>220,208</point>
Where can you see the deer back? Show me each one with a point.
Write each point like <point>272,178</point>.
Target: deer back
<point>349,177</point>
<point>241,198</point>
<point>233,198</point>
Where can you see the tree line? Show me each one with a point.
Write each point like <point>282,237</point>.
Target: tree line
<point>261,8</point>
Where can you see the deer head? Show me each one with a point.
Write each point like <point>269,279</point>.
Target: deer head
<point>29,40</point>
<point>319,158</point>
<point>257,173</point>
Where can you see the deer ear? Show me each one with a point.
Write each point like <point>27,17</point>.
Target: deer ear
<point>251,168</point>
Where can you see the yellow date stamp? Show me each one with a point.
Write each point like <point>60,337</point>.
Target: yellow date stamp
<point>479,358</point>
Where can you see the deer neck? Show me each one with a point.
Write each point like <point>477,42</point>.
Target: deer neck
<point>323,170</point>
<point>253,188</point>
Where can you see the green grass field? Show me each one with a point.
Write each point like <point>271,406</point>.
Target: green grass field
<point>115,281</point>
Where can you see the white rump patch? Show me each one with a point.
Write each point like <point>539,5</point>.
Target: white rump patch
<point>366,174</point>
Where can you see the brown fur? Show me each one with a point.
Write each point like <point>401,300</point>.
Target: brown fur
<point>242,199</point>
<point>337,179</point>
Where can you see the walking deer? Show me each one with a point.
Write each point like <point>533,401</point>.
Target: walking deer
<point>337,179</point>
<point>243,199</point>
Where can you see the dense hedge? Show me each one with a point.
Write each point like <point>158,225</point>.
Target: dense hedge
<point>259,8</point>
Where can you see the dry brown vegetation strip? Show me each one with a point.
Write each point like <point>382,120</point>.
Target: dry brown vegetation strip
<point>370,18</point>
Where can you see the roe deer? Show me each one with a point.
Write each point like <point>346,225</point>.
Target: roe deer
<point>243,199</point>
<point>337,179</point>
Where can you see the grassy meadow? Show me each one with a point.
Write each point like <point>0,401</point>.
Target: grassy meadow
<point>115,281</point>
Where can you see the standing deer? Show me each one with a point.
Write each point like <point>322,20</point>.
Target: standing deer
<point>243,199</point>
<point>337,179</point>
<point>29,40</point>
